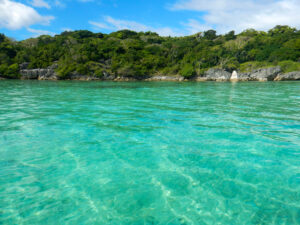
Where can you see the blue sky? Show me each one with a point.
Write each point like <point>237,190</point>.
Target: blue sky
<point>22,19</point>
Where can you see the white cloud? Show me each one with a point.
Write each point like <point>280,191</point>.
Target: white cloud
<point>59,4</point>
<point>40,32</point>
<point>110,23</point>
<point>15,15</point>
<point>125,24</point>
<point>63,3</point>
<point>226,15</point>
<point>99,25</point>
<point>40,4</point>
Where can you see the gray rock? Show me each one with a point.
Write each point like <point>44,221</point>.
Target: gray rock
<point>23,65</point>
<point>288,76</point>
<point>47,74</point>
<point>107,76</point>
<point>119,78</point>
<point>40,74</point>
<point>29,74</point>
<point>165,78</point>
<point>76,76</point>
<point>265,74</point>
<point>215,75</point>
<point>53,66</point>
<point>244,77</point>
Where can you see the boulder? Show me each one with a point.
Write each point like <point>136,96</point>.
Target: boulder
<point>288,76</point>
<point>215,75</point>
<point>40,74</point>
<point>47,74</point>
<point>234,76</point>
<point>265,74</point>
<point>244,76</point>
<point>29,74</point>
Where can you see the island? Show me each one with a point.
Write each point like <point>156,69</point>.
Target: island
<point>127,55</point>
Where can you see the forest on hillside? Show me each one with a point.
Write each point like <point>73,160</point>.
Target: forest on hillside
<point>141,54</point>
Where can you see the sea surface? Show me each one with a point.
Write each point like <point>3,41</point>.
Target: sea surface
<point>149,153</point>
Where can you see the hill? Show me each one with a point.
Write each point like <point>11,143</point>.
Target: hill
<point>142,54</point>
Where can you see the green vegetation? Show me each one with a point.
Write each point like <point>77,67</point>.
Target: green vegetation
<point>141,54</point>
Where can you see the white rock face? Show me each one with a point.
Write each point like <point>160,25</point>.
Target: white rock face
<point>234,75</point>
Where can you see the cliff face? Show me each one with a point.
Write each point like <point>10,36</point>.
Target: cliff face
<point>288,76</point>
<point>215,75</point>
<point>38,74</point>
<point>264,74</point>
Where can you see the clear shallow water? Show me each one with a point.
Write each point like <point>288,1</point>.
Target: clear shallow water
<point>149,153</point>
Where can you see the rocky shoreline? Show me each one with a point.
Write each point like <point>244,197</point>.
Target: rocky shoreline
<point>263,74</point>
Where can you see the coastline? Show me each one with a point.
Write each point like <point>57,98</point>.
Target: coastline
<point>213,74</point>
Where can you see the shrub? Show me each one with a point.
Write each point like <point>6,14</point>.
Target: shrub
<point>10,72</point>
<point>289,66</point>
<point>65,71</point>
<point>249,66</point>
<point>98,73</point>
<point>188,71</point>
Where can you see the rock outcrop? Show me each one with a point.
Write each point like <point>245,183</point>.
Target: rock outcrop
<point>288,76</point>
<point>76,76</point>
<point>120,78</point>
<point>107,76</point>
<point>39,74</point>
<point>265,74</point>
<point>215,75</point>
<point>165,78</point>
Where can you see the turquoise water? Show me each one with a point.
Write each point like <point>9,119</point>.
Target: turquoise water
<point>149,153</point>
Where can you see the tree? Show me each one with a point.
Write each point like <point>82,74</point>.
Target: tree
<point>230,35</point>
<point>2,37</point>
<point>210,34</point>
<point>281,30</point>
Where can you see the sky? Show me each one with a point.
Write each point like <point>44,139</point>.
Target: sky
<point>21,19</point>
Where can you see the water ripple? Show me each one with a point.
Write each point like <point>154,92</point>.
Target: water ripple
<point>149,153</point>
